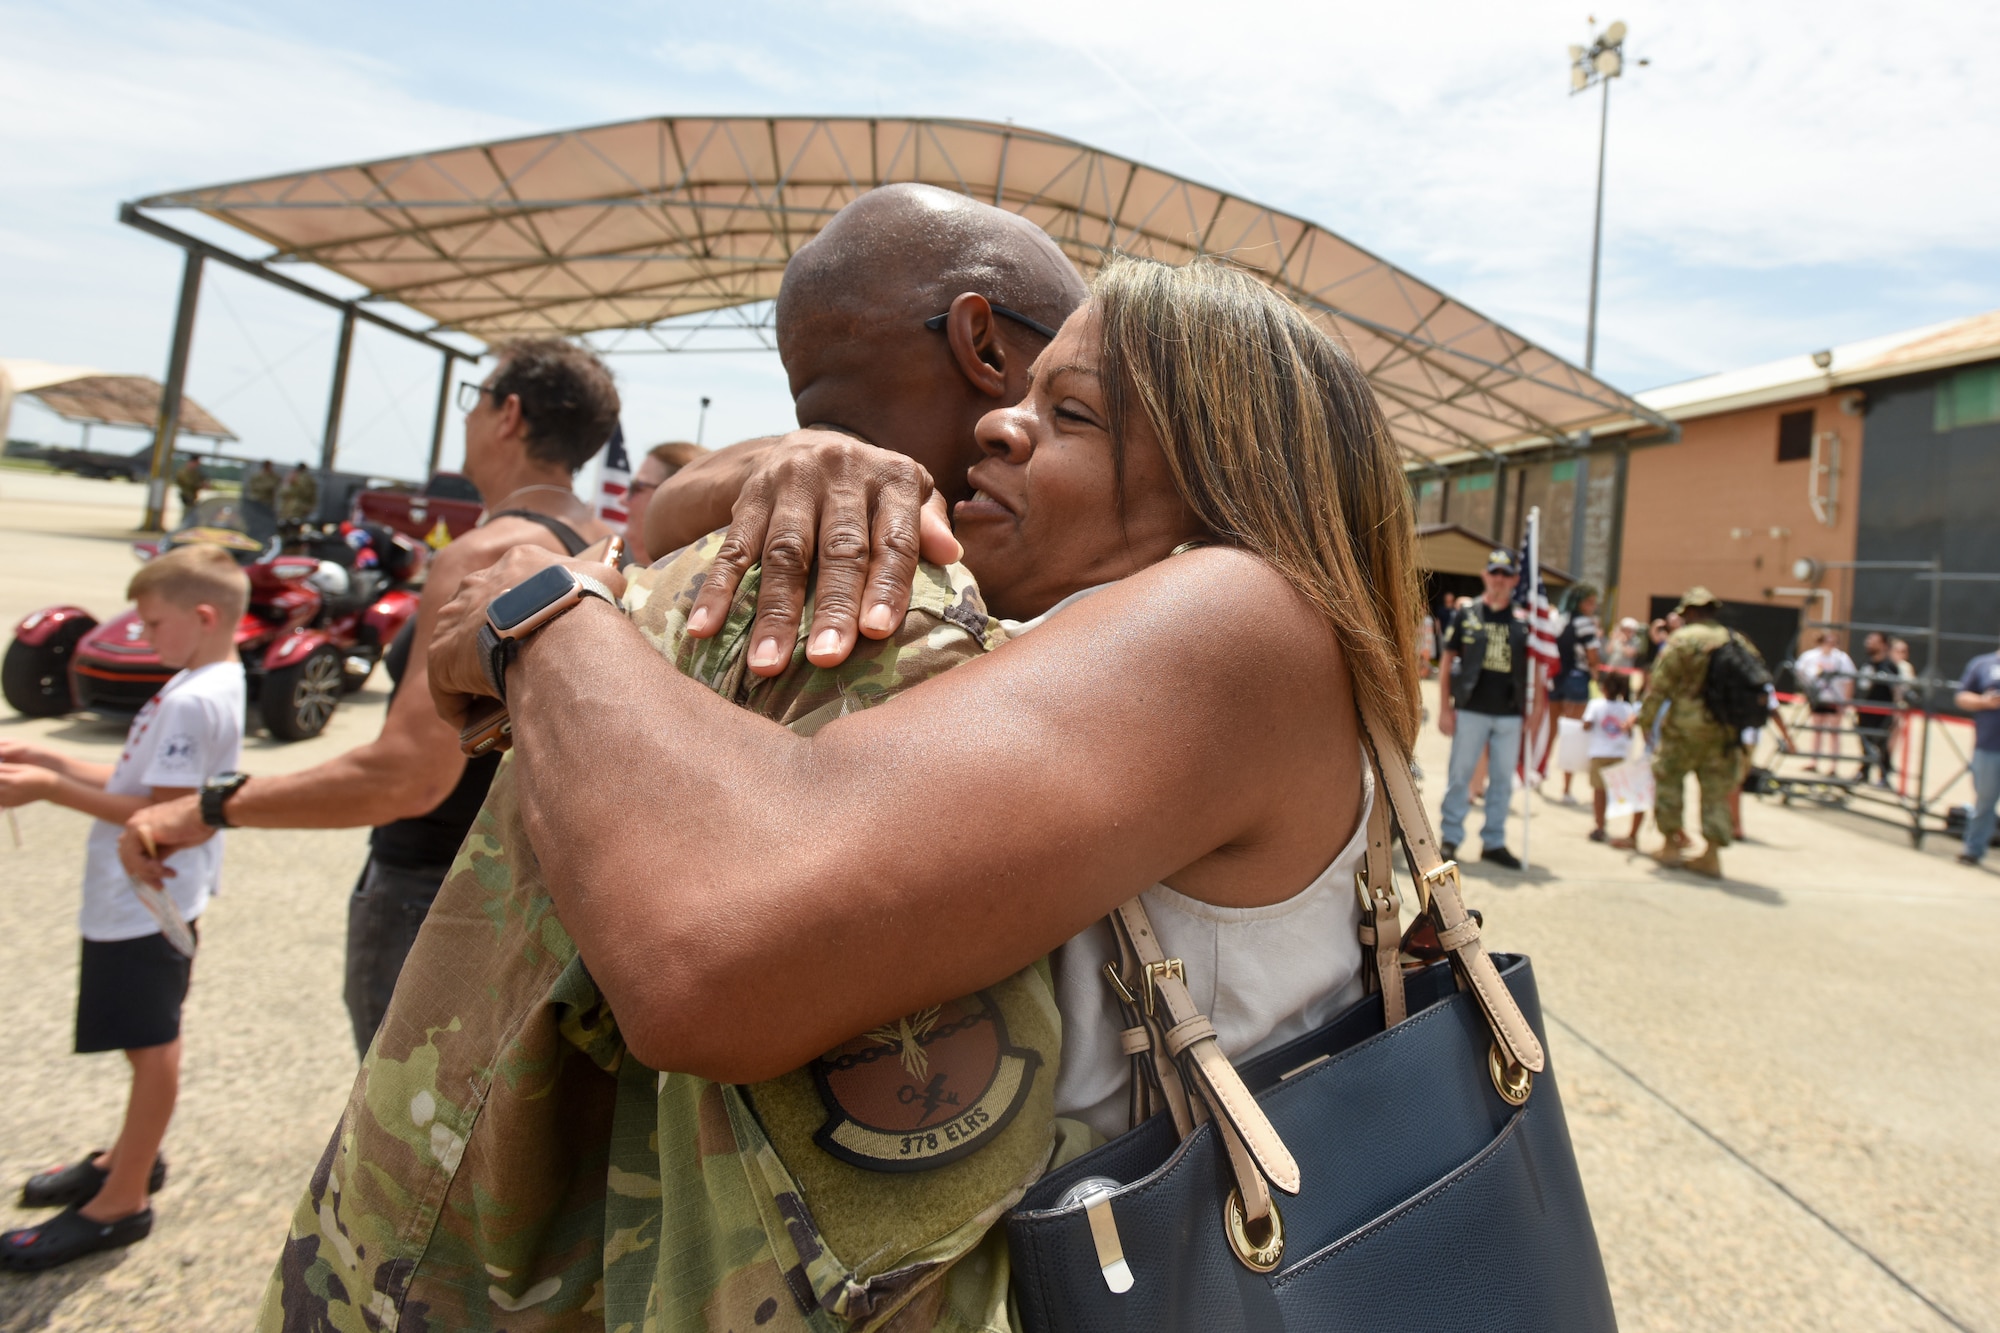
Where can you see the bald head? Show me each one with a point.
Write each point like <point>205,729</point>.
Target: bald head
<point>904,251</point>
<point>852,311</point>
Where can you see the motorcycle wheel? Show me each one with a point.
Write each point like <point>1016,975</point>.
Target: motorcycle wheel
<point>35,678</point>
<point>297,700</point>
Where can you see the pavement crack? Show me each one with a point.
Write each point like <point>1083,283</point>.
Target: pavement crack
<point>1761,1174</point>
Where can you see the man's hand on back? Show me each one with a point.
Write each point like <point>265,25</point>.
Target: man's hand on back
<point>865,515</point>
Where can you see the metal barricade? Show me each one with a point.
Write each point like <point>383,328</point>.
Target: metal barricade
<point>1928,751</point>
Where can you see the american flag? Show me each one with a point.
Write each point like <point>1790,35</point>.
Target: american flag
<point>1545,624</point>
<point>614,476</point>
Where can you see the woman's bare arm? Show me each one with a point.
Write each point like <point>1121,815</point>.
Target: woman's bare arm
<point>750,898</point>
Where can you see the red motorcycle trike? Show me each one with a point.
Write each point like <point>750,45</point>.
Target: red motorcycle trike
<point>325,601</point>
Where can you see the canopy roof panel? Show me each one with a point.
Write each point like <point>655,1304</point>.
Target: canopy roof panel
<point>623,226</point>
<point>102,398</point>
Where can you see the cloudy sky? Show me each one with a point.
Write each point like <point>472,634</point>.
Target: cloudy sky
<point>1782,177</point>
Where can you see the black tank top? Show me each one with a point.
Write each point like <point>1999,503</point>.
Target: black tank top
<point>432,839</point>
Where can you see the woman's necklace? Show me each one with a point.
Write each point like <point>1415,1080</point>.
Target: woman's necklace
<point>540,486</point>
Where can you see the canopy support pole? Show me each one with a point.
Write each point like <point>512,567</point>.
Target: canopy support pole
<point>167,428</point>
<point>330,443</point>
<point>437,422</point>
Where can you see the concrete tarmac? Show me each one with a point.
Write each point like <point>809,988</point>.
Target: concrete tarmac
<point>1781,1086</point>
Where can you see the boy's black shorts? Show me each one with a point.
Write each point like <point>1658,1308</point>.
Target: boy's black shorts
<point>130,991</point>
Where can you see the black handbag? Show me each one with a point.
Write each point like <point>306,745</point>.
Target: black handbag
<point>1416,1144</point>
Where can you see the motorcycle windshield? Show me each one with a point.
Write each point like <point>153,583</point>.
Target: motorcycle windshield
<point>227,521</point>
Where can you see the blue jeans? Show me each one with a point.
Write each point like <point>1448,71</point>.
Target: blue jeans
<point>1500,739</point>
<point>1985,794</point>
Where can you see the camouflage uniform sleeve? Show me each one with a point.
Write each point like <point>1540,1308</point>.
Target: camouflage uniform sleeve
<point>947,624</point>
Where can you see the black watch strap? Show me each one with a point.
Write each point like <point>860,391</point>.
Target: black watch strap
<point>496,655</point>
<point>215,792</point>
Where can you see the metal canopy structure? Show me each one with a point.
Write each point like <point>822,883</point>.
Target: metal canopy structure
<point>93,397</point>
<point>641,225</point>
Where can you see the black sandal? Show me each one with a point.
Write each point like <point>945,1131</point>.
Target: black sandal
<point>69,1235</point>
<point>61,1186</point>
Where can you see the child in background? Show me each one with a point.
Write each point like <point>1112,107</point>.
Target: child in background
<point>133,979</point>
<point>1608,720</point>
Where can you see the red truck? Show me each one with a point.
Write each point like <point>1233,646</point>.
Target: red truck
<point>446,498</point>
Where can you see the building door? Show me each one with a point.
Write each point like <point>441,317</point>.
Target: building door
<point>1773,629</point>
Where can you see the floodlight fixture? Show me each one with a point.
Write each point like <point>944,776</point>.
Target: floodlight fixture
<point>1603,59</point>
<point>1597,64</point>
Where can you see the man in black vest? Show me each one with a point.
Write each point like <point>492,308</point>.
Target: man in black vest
<point>1483,685</point>
<point>544,412</point>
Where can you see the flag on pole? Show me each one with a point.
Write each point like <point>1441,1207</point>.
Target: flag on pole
<point>1545,625</point>
<point>614,480</point>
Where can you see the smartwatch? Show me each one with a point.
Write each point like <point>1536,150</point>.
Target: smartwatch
<point>214,792</point>
<point>525,608</point>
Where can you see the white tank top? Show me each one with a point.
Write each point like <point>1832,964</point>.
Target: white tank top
<point>1263,975</point>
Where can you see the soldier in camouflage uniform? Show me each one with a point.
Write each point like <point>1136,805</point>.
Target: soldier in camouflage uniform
<point>642,1198</point>
<point>189,481</point>
<point>1691,741</point>
<point>262,486</point>
<point>300,496</point>
<point>503,1162</point>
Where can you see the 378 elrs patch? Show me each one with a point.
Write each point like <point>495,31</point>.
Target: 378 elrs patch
<point>925,1090</point>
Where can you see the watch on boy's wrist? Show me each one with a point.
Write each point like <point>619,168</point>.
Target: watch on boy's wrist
<point>214,792</point>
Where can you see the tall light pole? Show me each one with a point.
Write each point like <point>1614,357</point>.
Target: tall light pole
<point>1597,65</point>
<point>701,422</point>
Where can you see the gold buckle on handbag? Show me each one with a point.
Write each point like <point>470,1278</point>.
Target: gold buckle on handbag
<point>1446,870</point>
<point>1166,967</point>
<point>1373,903</point>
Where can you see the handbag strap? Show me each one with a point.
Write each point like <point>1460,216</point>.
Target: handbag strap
<point>1187,1053</point>
<point>1381,927</point>
<point>1176,1058</point>
<point>1438,891</point>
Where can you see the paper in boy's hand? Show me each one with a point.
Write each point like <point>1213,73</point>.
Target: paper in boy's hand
<point>1628,788</point>
<point>168,913</point>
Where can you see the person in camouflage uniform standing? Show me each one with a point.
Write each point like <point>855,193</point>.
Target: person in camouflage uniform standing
<point>1691,740</point>
<point>189,481</point>
<point>300,496</point>
<point>262,487</point>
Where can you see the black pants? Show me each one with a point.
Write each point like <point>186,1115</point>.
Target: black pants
<point>384,914</point>
<point>1874,732</point>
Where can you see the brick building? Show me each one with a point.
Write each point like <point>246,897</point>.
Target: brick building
<point>1881,450</point>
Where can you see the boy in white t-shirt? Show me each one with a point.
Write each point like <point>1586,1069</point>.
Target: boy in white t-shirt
<point>133,978</point>
<point>1608,722</point>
